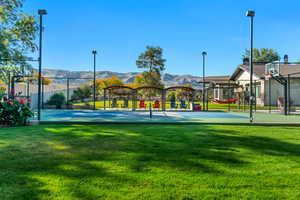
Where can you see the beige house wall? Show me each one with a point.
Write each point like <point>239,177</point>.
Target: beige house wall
<point>277,90</point>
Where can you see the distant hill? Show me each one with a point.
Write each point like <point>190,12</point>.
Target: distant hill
<point>79,77</point>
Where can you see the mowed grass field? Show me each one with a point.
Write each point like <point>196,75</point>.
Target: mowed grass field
<point>153,162</point>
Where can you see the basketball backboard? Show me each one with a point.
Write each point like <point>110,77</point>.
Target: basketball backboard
<point>272,69</point>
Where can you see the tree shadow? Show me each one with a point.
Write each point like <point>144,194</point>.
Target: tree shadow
<point>31,157</point>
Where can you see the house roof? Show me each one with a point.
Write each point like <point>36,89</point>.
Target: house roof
<point>216,79</point>
<point>259,70</point>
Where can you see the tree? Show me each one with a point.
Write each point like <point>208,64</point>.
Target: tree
<point>101,84</point>
<point>35,76</point>
<point>152,78</point>
<point>17,33</point>
<point>264,55</point>
<point>148,79</point>
<point>57,99</point>
<point>151,59</point>
<point>7,72</point>
<point>82,93</point>
<point>46,81</point>
<point>17,39</point>
<point>113,81</point>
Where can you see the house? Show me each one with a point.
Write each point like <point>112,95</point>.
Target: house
<point>219,87</point>
<point>267,91</point>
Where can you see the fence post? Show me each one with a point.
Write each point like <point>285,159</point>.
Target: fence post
<point>289,94</point>
<point>134,100</point>
<point>285,97</point>
<point>104,98</point>
<point>228,95</point>
<point>255,95</point>
<point>163,100</point>
<point>270,97</point>
<point>27,91</point>
<point>12,92</point>
<point>68,92</point>
<point>43,89</point>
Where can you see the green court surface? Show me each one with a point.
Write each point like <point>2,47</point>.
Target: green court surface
<point>163,117</point>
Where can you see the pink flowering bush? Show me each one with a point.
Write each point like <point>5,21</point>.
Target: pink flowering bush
<point>15,112</point>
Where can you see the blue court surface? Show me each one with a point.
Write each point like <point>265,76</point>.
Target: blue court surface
<point>129,116</point>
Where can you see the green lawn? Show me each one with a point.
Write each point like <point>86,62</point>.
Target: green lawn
<point>159,162</point>
<point>211,106</point>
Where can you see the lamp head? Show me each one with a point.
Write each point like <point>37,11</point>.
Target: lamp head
<point>204,53</point>
<point>250,13</point>
<point>94,52</point>
<point>42,12</point>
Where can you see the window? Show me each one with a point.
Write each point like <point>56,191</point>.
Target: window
<point>216,93</point>
<point>258,91</point>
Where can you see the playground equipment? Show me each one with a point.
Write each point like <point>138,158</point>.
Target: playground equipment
<point>156,104</point>
<point>184,94</point>
<point>142,104</point>
<point>116,93</point>
<point>183,104</point>
<point>197,107</point>
<point>173,104</point>
<point>114,103</point>
<point>151,94</point>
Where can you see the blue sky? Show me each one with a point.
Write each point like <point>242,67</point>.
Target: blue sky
<point>120,30</point>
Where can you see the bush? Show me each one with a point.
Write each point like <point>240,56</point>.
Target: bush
<point>82,93</point>
<point>2,92</point>
<point>57,99</point>
<point>15,112</point>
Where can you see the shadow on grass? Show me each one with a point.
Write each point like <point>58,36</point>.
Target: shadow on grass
<point>33,157</point>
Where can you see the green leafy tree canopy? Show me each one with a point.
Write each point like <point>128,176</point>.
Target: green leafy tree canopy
<point>264,55</point>
<point>152,59</point>
<point>17,31</point>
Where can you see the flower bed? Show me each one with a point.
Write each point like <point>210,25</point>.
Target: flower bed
<point>15,112</point>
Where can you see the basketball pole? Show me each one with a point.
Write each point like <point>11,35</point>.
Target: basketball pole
<point>251,14</point>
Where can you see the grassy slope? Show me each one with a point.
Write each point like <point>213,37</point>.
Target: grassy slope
<point>149,162</point>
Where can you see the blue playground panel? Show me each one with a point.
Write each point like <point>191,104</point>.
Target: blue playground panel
<point>129,116</point>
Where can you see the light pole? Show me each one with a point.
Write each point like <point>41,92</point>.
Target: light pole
<point>94,93</point>
<point>251,14</point>
<point>41,13</point>
<point>203,80</point>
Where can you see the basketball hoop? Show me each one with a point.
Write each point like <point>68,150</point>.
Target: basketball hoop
<point>268,76</point>
<point>272,69</point>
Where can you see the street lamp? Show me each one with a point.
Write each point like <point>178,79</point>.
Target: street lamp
<point>41,13</point>
<point>94,52</point>
<point>203,80</point>
<point>251,14</point>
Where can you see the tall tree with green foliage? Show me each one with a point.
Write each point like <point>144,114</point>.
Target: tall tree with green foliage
<point>152,59</point>
<point>264,55</point>
<point>17,37</point>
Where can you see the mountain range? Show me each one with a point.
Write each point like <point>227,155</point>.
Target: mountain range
<point>79,77</point>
